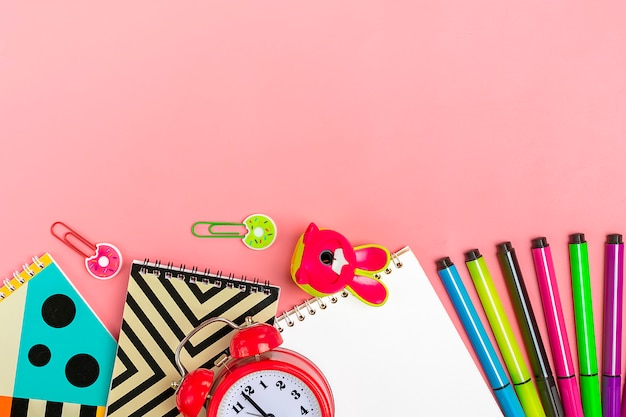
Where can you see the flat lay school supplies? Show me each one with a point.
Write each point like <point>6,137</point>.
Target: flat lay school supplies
<point>503,332</point>
<point>164,303</point>
<point>259,377</point>
<point>402,358</point>
<point>484,349</point>
<point>585,327</point>
<point>531,336</point>
<point>317,367</point>
<point>325,262</point>
<point>612,325</point>
<point>57,356</point>
<point>257,231</point>
<point>103,261</point>
<point>557,332</point>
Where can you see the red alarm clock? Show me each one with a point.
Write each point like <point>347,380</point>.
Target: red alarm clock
<point>258,379</point>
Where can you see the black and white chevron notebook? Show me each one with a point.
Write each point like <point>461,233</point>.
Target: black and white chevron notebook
<point>164,303</point>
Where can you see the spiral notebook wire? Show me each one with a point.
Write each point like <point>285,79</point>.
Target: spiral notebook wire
<point>164,302</point>
<point>38,346</point>
<point>10,285</point>
<point>309,307</point>
<point>194,275</point>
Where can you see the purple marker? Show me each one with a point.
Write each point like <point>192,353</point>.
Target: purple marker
<point>612,331</point>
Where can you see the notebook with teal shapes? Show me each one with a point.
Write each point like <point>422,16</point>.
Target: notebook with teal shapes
<point>57,356</point>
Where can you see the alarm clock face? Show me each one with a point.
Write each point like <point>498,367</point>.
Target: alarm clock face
<point>269,393</point>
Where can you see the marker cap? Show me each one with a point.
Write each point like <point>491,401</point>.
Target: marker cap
<point>540,242</point>
<point>577,238</point>
<point>472,255</point>
<point>614,239</point>
<point>504,247</point>
<point>444,263</point>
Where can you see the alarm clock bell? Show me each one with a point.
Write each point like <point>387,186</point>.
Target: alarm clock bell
<point>255,359</point>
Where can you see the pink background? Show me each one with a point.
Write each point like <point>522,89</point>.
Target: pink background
<point>444,126</point>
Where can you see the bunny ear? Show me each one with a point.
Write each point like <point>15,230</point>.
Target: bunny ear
<point>311,230</point>
<point>369,290</point>
<point>371,258</point>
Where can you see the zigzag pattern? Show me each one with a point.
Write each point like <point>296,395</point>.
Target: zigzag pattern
<point>163,305</point>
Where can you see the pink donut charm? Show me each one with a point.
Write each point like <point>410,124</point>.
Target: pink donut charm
<point>106,263</point>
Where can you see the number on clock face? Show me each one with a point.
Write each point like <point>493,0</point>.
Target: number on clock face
<point>269,394</point>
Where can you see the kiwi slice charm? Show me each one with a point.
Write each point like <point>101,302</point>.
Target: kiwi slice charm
<point>260,231</point>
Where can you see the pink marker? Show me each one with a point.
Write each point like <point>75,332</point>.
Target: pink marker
<point>557,333</point>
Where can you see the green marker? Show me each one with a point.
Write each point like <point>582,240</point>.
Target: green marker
<point>509,348</point>
<point>585,333</point>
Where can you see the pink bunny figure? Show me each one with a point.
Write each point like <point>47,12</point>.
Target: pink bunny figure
<point>324,263</point>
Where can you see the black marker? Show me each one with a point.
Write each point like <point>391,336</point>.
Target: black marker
<point>546,384</point>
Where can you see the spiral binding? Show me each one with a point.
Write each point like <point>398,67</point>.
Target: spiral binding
<point>206,277</point>
<point>18,280</point>
<point>310,306</point>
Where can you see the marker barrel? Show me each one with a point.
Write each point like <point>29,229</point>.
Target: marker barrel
<point>611,395</point>
<point>489,360</point>
<point>590,395</point>
<point>557,332</point>
<point>503,333</point>
<point>550,397</point>
<point>498,320</point>
<point>531,336</point>
<point>585,329</point>
<point>612,325</point>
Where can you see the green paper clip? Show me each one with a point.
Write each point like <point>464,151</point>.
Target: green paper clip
<point>212,233</point>
<point>260,231</point>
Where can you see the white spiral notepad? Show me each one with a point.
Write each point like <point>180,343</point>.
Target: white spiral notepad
<point>404,358</point>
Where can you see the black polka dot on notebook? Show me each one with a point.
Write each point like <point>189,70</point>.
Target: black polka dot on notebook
<point>39,355</point>
<point>58,310</point>
<point>82,370</point>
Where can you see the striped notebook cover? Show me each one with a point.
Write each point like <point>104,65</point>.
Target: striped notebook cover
<point>163,304</point>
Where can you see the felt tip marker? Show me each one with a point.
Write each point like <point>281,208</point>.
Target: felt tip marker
<point>503,332</point>
<point>585,329</point>
<point>531,336</point>
<point>490,362</point>
<point>555,324</point>
<point>612,325</point>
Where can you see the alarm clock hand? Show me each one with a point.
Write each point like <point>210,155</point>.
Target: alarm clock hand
<point>255,405</point>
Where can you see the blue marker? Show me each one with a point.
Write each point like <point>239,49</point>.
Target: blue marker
<point>497,377</point>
